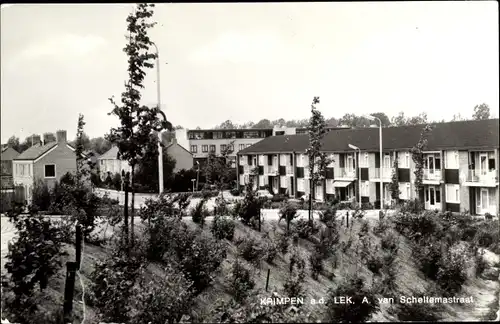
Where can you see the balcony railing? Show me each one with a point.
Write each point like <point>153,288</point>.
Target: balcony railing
<point>341,173</point>
<point>482,176</point>
<point>289,170</point>
<point>247,169</point>
<point>385,172</point>
<point>429,174</point>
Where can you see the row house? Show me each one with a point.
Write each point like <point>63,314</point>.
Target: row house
<point>460,169</point>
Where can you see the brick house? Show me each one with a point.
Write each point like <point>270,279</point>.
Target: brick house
<point>46,161</point>
<point>7,155</point>
<point>460,171</point>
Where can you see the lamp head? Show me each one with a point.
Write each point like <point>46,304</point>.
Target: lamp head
<point>369,117</point>
<point>353,147</point>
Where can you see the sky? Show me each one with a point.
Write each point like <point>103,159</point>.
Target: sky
<point>249,61</point>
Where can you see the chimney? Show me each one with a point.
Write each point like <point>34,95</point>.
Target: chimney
<point>36,139</point>
<point>61,136</point>
<point>46,139</point>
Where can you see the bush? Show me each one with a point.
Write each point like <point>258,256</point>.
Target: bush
<point>328,215</point>
<point>481,264</point>
<point>278,198</point>
<point>328,240</point>
<point>375,262</point>
<point>222,228</point>
<point>283,243</point>
<point>355,312</point>
<point>390,243</point>
<point>381,227</point>
<point>221,206</point>
<point>241,281</point>
<point>235,192</point>
<point>452,270</point>
<point>270,250</point>
<point>421,312</point>
<point>249,249</point>
<point>288,212</point>
<point>162,300</point>
<point>293,285</point>
<point>316,263</point>
<point>427,256</point>
<point>41,196</point>
<point>304,229</point>
<point>418,227</point>
<point>249,209</point>
<point>413,206</point>
<point>199,212</point>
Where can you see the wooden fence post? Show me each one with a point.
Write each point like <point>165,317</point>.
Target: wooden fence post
<point>69,291</point>
<point>78,245</point>
<point>267,280</point>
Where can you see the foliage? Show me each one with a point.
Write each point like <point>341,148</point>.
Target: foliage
<point>390,242</point>
<point>270,250</point>
<point>147,177</point>
<point>293,285</point>
<point>316,263</point>
<point>481,112</point>
<point>33,257</point>
<point>40,195</point>
<point>283,243</point>
<point>218,170</point>
<point>419,226</point>
<point>394,184</point>
<point>402,120</point>
<point>250,249</point>
<point>318,160</point>
<point>355,312</point>
<point>452,270</point>
<point>412,206</point>
<point>427,256</point>
<point>241,281</point>
<point>162,300</point>
<point>329,214</point>
<point>381,227</point>
<point>422,312</point>
<point>199,212</point>
<point>480,263</point>
<point>221,206</point>
<point>305,229</point>
<point>222,228</point>
<point>417,156</point>
<point>249,208</point>
<point>288,212</point>
<point>162,207</point>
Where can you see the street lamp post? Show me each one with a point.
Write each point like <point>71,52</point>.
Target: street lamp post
<point>160,148</point>
<point>358,171</point>
<point>193,181</point>
<point>370,117</point>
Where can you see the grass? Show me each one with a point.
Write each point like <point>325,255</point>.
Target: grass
<point>409,279</point>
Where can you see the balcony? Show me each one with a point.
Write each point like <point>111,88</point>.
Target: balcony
<point>271,170</point>
<point>344,173</point>
<point>247,169</point>
<point>431,176</point>
<point>481,178</point>
<point>289,170</point>
<point>376,172</point>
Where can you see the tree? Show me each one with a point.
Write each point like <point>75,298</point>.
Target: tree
<point>49,138</point>
<point>134,136</point>
<point>263,123</point>
<point>458,117</point>
<point>218,170</point>
<point>100,145</point>
<point>417,156</point>
<point>317,160</point>
<point>85,140</point>
<point>147,171</point>
<point>399,120</point>
<point>227,125</point>
<point>383,118</point>
<point>352,120</point>
<point>402,120</point>
<point>481,112</point>
<point>394,185</point>
<point>13,142</point>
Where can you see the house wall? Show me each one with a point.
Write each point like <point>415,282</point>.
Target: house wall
<point>63,157</point>
<point>183,159</point>
<point>463,163</point>
<point>23,176</point>
<point>218,142</point>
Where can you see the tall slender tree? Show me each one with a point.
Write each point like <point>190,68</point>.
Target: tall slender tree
<point>134,137</point>
<point>317,160</point>
<point>417,156</point>
<point>394,185</point>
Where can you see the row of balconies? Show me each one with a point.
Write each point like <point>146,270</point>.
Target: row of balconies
<point>429,175</point>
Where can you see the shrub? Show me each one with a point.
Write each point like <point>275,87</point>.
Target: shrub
<point>486,237</point>
<point>199,212</point>
<point>427,256</point>
<point>221,207</point>
<point>328,215</point>
<point>355,312</point>
<point>241,281</point>
<point>270,250</point>
<point>278,198</point>
<point>381,227</point>
<point>157,208</point>
<point>420,226</point>
<point>316,263</point>
<point>288,212</point>
<point>162,300</point>
<point>248,209</point>
<point>283,243</point>
<point>222,228</point>
<point>41,196</point>
<point>481,264</point>
<point>422,312</point>
<point>305,229</point>
<point>390,243</point>
<point>249,249</point>
<point>328,240</point>
<point>375,262</point>
<point>452,272</point>
<point>183,200</point>
<point>235,192</point>
<point>488,216</point>
<point>293,285</point>
<point>413,206</point>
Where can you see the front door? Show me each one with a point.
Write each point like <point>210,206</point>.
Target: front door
<point>432,197</point>
<point>319,192</point>
<point>482,201</point>
<point>483,164</point>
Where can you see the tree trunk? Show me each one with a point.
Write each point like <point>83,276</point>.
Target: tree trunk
<point>132,210</point>
<point>311,188</point>
<point>125,212</point>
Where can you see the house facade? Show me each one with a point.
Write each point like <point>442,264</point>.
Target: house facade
<point>8,154</point>
<point>183,158</point>
<point>460,166</point>
<point>109,163</point>
<point>47,162</point>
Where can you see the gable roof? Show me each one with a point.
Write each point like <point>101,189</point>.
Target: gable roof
<point>35,151</point>
<point>182,147</point>
<point>8,153</point>
<point>474,134</point>
<point>111,154</point>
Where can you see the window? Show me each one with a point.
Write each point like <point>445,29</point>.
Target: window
<point>365,192</point>
<point>191,135</point>
<point>453,193</point>
<point>300,185</point>
<point>223,147</point>
<point>438,195</point>
<point>249,159</point>
<point>242,146</point>
<point>451,160</point>
<point>50,171</point>
<point>194,148</point>
<point>204,148</point>
<point>491,164</point>
<point>212,148</point>
<point>231,148</point>
<point>407,160</point>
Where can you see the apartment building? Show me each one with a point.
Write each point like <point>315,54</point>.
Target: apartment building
<point>460,165</point>
<point>205,141</point>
